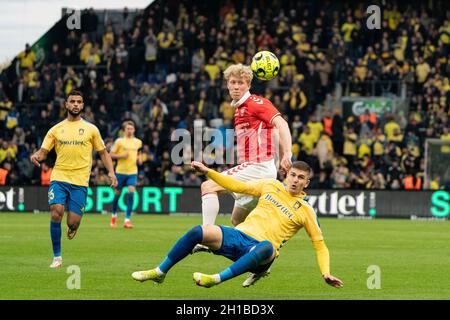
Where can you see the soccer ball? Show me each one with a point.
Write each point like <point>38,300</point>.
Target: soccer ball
<point>265,65</point>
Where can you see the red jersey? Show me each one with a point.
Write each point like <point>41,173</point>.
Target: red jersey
<point>254,130</point>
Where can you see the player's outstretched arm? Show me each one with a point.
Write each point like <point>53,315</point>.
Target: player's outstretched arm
<point>228,183</point>
<point>323,258</point>
<point>107,161</point>
<point>285,142</point>
<point>39,156</point>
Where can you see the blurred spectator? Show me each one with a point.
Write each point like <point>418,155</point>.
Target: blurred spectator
<point>27,57</point>
<point>175,176</point>
<point>165,72</point>
<point>101,178</point>
<point>46,173</point>
<point>192,180</point>
<point>4,171</point>
<point>324,149</point>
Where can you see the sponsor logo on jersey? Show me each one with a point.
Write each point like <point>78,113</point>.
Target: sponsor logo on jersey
<point>71,142</point>
<point>282,208</point>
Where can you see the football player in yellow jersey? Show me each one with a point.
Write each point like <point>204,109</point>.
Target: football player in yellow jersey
<point>281,211</point>
<point>127,151</point>
<point>74,139</point>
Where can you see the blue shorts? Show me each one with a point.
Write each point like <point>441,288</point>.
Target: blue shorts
<point>73,197</point>
<point>126,180</point>
<point>235,243</point>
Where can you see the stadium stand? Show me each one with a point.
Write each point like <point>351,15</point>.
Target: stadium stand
<point>161,67</point>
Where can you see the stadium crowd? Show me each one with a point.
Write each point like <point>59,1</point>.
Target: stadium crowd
<point>162,69</point>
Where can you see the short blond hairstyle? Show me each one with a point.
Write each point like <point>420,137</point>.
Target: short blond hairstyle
<point>128,123</point>
<point>239,71</point>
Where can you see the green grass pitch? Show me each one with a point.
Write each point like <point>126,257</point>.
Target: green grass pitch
<point>413,257</point>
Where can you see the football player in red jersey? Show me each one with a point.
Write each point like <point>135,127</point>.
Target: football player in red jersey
<point>256,122</point>
<point>258,127</point>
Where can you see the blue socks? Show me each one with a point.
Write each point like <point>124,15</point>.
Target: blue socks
<point>130,198</point>
<point>55,235</point>
<point>249,261</point>
<point>182,248</point>
<point>115,204</point>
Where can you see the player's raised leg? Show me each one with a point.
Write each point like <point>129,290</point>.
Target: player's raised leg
<point>210,207</point>
<point>210,236</point>
<point>57,213</point>
<point>75,205</point>
<point>210,201</point>
<point>247,253</point>
<point>240,212</point>
<point>73,223</point>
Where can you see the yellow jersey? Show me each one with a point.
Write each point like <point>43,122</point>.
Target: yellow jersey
<point>127,145</point>
<point>74,142</point>
<point>278,216</point>
<point>389,129</point>
<point>316,129</point>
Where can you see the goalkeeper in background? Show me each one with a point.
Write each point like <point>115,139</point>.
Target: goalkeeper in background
<point>254,243</point>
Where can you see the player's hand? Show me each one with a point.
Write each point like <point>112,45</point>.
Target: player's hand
<point>35,159</point>
<point>113,179</point>
<point>286,162</point>
<point>198,166</point>
<point>125,155</point>
<point>333,281</point>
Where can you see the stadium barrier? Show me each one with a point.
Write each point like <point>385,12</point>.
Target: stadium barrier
<point>333,203</point>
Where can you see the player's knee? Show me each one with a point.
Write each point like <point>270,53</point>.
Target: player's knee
<point>56,217</point>
<point>196,234</point>
<point>57,214</point>
<point>207,187</point>
<point>265,250</point>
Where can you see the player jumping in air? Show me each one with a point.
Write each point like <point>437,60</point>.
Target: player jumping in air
<point>127,151</point>
<point>74,140</point>
<point>253,244</point>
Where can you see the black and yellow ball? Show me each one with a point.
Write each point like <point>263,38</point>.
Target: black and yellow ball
<point>265,65</point>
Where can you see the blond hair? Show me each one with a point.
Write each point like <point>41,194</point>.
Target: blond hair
<point>128,123</point>
<point>239,71</point>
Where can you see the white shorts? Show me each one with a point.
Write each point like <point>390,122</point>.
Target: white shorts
<point>248,171</point>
